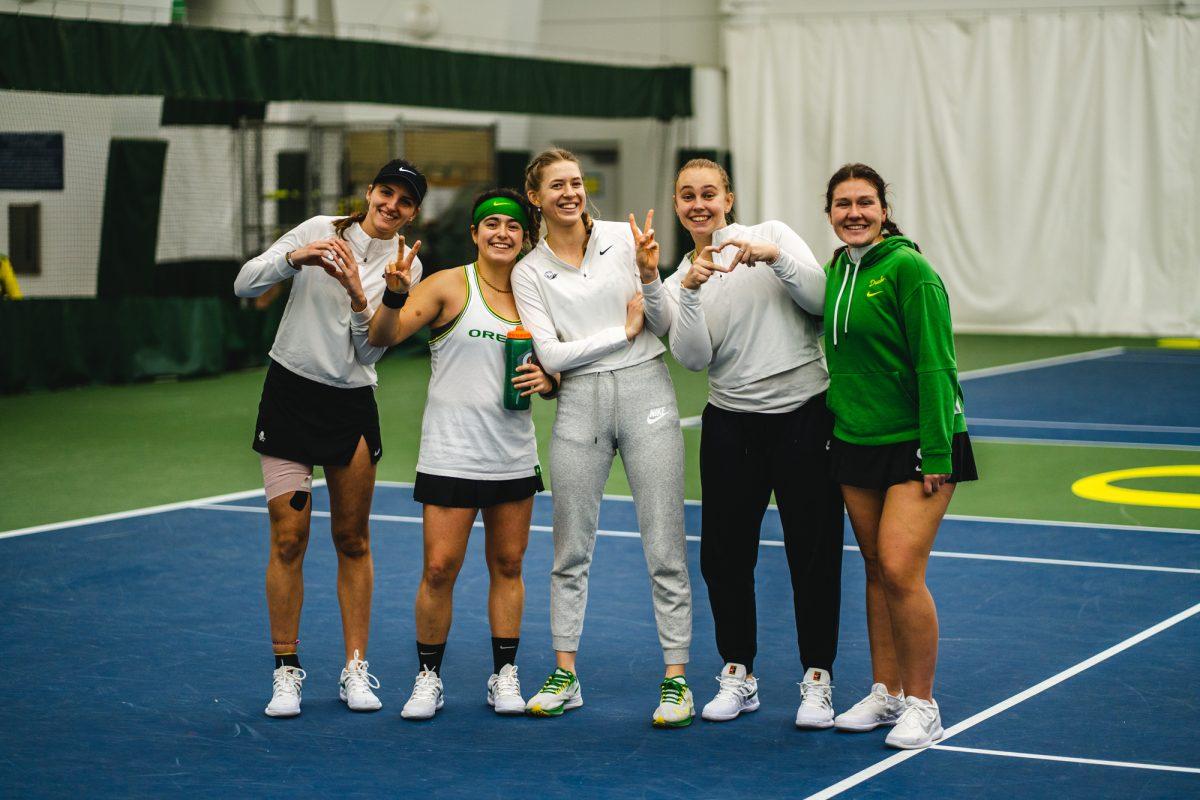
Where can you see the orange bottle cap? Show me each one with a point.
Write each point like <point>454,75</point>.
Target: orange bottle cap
<point>519,333</point>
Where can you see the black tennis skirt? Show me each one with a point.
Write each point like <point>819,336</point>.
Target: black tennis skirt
<point>441,490</point>
<point>881,466</point>
<point>312,423</point>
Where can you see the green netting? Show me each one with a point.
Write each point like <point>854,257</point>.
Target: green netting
<point>60,55</point>
<point>48,344</point>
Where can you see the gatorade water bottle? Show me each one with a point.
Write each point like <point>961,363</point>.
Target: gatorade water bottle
<point>518,350</point>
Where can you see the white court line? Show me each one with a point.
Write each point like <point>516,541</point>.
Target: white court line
<point>1040,363</point>
<point>139,512</point>
<point>768,543</point>
<point>1080,426</point>
<point>622,498</point>
<point>1083,443</point>
<point>1003,369</point>
<point>1068,759</point>
<point>1004,705</point>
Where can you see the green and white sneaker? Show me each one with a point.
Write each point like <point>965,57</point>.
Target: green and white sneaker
<point>560,692</point>
<point>675,709</point>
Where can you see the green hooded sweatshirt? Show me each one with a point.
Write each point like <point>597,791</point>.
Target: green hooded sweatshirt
<point>890,350</point>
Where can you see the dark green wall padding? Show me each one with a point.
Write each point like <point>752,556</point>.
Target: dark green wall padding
<point>58,343</point>
<point>129,231</point>
<point>48,54</point>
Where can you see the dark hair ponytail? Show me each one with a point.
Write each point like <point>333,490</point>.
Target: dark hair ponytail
<point>849,172</point>
<point>535,222</point>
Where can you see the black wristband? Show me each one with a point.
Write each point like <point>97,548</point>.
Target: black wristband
<point>554,384</point>
<point>394,299</point>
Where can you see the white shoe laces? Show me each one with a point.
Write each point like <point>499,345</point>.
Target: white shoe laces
<point>925,714</point>
<point>287,680</point>
<point>878,696</point>
<point>357,678</point>
<point>507,684</point>
<point>427,686</point>
<point>732,688</point>
<point>815,693</point>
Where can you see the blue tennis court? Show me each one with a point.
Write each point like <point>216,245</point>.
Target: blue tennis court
<point>1119,396</point>
<point>1058,642</point>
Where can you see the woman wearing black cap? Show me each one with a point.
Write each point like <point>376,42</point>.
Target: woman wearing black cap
<point>318,407</point>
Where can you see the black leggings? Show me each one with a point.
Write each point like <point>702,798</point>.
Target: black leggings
<point>743,458</point>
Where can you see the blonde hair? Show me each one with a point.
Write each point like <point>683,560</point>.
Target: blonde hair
<point>705,163</point>
<point>533,182</point>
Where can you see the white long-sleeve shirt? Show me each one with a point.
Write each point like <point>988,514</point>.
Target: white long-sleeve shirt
<point>577,315</point>
<point>319,337</point>
<point>757,329</point>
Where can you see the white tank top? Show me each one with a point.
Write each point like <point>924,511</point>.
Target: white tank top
<point>466,432</point>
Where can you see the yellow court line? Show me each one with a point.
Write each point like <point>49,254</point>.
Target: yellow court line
<point>1180,343</point>
<point>1099,487</point>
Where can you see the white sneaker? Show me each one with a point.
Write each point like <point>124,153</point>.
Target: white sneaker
<point>355,685</point>
<point>504,691</point>
<point>919,726</point>
<point>561,692</point>
<point>285,692</point>
<point>426,699</point>
<point>675,706</point>
<point>737,694</point>
<point>816,701</point>
<point>877,708</point>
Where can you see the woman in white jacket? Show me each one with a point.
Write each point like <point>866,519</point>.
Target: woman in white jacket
<point>590,294</point>
<point>756,327</point>
<point>318,407</point>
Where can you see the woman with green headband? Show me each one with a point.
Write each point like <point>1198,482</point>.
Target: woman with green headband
<point>475,455</point>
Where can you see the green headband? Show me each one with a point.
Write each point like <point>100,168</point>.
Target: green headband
<point>501,205</point>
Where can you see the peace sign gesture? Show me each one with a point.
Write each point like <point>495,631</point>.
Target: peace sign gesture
<point>399,272</point>
<point>646,249</point>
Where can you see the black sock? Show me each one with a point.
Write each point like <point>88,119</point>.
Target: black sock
<point>287,660</point>
<point>504,651</point>
<point>429,656</point>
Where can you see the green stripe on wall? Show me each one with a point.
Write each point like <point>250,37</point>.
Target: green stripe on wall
<point>59,55</point>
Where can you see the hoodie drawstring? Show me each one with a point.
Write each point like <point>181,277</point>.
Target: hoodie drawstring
<point>849,299</point>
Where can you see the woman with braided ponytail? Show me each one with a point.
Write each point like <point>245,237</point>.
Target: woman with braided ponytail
<point>900,442</point>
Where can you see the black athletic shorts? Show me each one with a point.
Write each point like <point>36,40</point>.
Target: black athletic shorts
<point>881,466</point>
<point>440,490</point>
<point>313,423</point>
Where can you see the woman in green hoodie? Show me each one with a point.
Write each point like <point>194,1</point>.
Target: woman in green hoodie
<point>900,442</point>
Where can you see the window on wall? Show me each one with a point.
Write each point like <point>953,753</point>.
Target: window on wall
<point>25,238</point>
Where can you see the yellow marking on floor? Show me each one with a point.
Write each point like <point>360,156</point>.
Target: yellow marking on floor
<point>1180,344</point>
<point>1100,487</point>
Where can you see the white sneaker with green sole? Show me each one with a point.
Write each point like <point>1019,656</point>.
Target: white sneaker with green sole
<point>561,692</point>
<point>675,707</point>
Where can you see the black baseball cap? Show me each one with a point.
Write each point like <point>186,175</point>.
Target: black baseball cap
<point>400,171</point>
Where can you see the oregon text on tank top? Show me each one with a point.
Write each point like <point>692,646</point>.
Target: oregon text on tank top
<point>466,432</point>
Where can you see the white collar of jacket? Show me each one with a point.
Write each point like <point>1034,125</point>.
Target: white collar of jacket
<point>363,245</point>
<point>603,237</point>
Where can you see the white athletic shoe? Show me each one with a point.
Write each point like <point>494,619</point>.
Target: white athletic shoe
<point>675,706</point>
<point>919,726</point>
<point>877,708</point>
<point>285,692</point>
<point>738,694</point>
<point>355,685</point>
<point>560,692</point>
<point>426,699</point>
<point>816,701</point>
<point>504,691</point>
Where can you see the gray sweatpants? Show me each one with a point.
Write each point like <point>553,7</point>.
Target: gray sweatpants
<point>631,410</point>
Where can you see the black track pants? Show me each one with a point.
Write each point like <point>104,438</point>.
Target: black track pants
<point>743,458</point>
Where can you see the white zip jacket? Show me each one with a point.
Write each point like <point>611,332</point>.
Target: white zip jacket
<point>757,329</point>
<point>319,337</point>
<point>577,316</point>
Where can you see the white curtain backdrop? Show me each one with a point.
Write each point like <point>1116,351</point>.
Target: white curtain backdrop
<point>1048,164</point>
